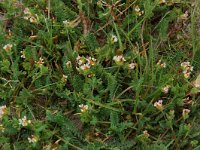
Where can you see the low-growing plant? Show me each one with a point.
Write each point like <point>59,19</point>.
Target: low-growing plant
<point>94,74</point>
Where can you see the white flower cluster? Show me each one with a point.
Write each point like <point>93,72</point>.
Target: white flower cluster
<point>83,108</point>
<point>146,133</point>
<point>84,64</point>
<point>8,47</point>
<point>114,39</point>
<point>29,16</point>
<point>185,113</point>
<point>32,139</point>
<point>184,16</point>
<point>119,59</point>
<point>187,69</point>
<point>138,11</point>
<point>2,129</point>
<point>3,110</point>
<point>40,62</point>
<point>64,78</point>
<point>161,64</point>
<point>159,105</point>
<point>132,66</point>
<point>24,121</point>
<point>68,64</point>
<point>166,89</point>
<point>66,23</point>
<point>23,54</point>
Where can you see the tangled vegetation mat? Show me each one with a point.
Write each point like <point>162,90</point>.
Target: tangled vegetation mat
<point>99,75</point>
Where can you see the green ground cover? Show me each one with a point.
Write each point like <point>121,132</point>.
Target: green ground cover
<point>99,75</point>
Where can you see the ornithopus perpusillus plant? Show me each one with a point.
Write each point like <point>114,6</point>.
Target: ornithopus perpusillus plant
<point>99,74</point>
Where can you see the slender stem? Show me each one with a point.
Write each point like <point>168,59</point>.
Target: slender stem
<point>102,105</point>
<point>49,8</point>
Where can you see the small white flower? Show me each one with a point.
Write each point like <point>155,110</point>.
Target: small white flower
<point>146,133</point>
<point>141,13</point>
<point>119,59</point>
<point>166,89</point>
<point>162,65</point>
<point>187,75</point>
<point>137,8</point>
<point>22,54</point>
<point>3,110</point>
<point>191,68</point>
<point>32,19</point>
<point>187,69</point>
<point>80,60</point>
<point>185,64</point>
<point>85,67</point>
<point>27,11</point>
<point>114,39</point>
<point>40,62</point>
<point>184,16</point>
<point>64,78</point>
<point>26,17</point>
<point>116,58</point>
<point>2,129</point>
<point>24,122</point>
<point>89,75</point>
<point>8,47</point>
<point>85,64</point>
<point>91,61</point>
<point>29,16</point>
<point>32,139</point>
<point>83,107</point>
<point>68,64</point>
<point>132,65</point>
<point>159,105</point>
<point>185,113</point>
<point>66,23</point>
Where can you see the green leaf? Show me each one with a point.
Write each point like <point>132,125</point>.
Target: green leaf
<point>5,65</point>
<point>114,119</point>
